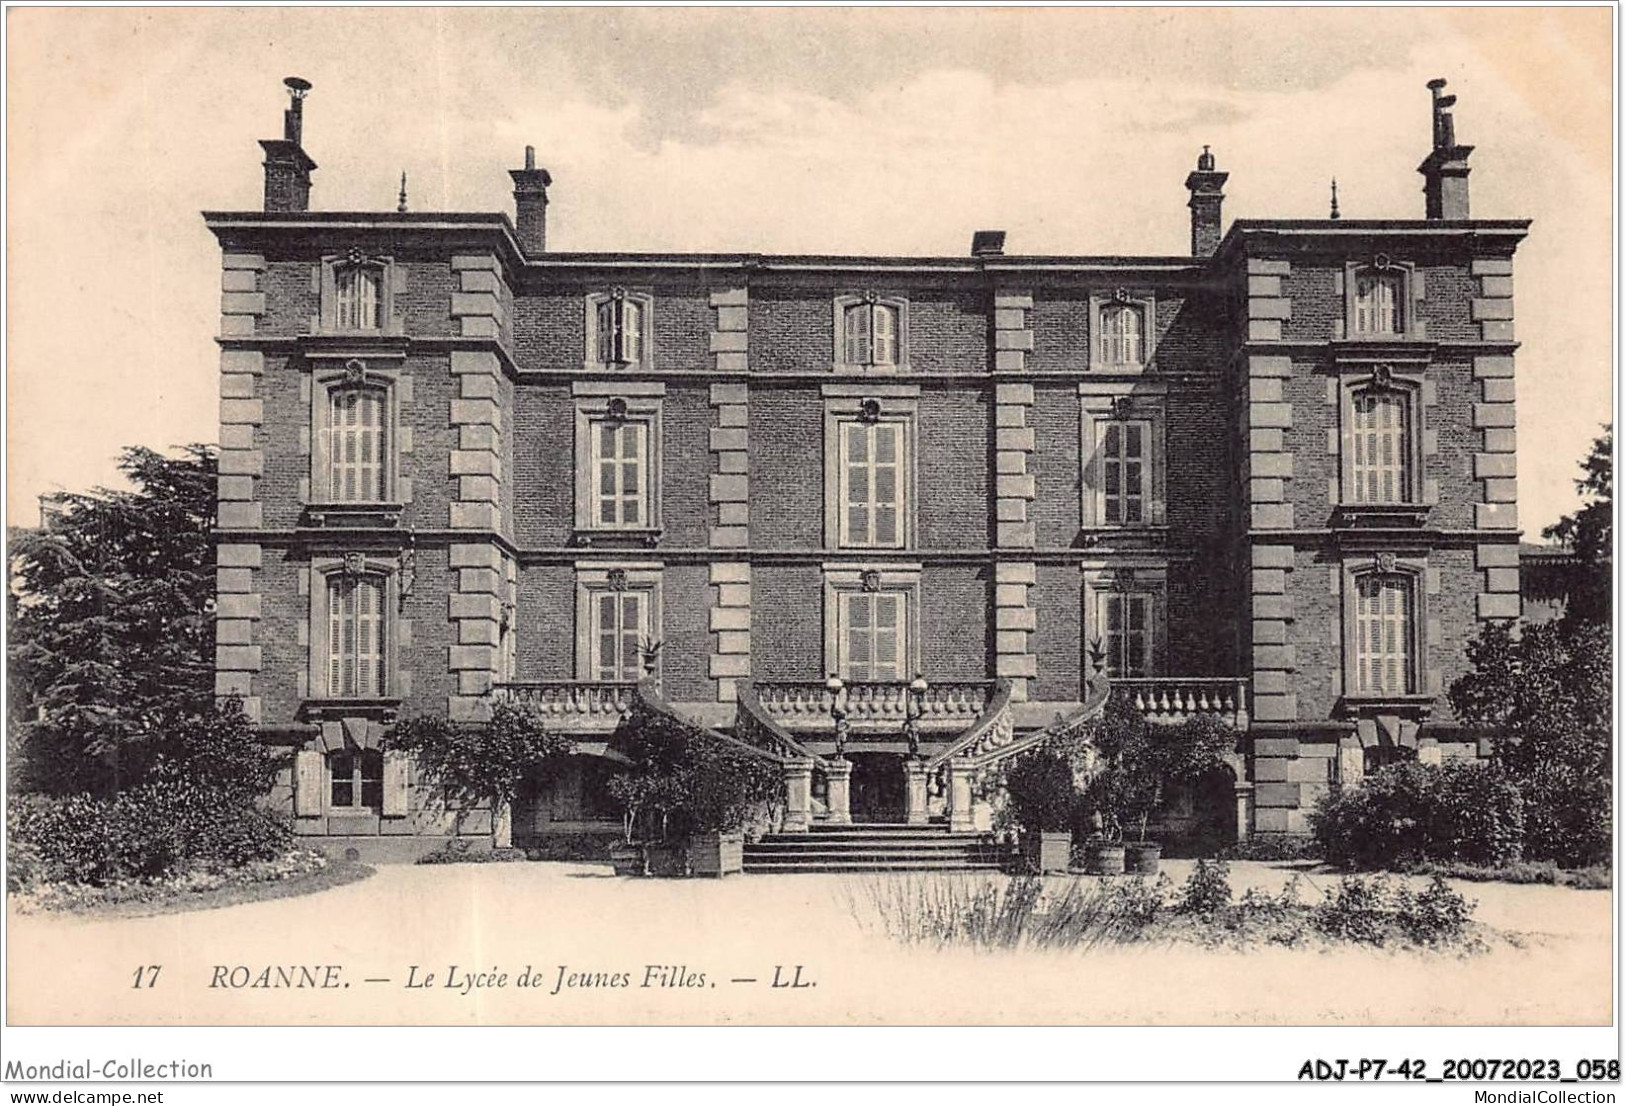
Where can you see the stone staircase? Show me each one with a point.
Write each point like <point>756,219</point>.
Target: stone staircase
<point>874,847</point>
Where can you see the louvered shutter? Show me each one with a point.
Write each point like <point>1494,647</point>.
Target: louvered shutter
<point>309,783</point>
<point>397,773</point>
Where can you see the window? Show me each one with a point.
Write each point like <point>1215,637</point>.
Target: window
<point>1122,335</point>
<point>620,453</point>
<point>1380,464</point>
<point>871,484</point>
<point>1379,301</point>
<point>1125,470</point>
<point>873,635</point>
<point>619,333</point>
<point>1384,634</point>
<point>1122,329</point>
<point>1125,622</point>
<point>617,461</point>
<point>618,619</point>
<point>356,780</point>
<point>871,333</point>
<point>355,636</point>
<point>1122,454</point>
<point>357,296</point>
<point>355,440</point>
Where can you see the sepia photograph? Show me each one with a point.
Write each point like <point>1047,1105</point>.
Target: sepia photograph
<point>811,517</point>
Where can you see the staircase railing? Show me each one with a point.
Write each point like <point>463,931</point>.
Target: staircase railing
<point>994,728</point>
<point>1097,693</point>
<point>646,700</point>
<point>753,726</point>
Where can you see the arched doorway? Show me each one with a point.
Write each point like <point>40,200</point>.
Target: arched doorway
<point>877,787</point>
<point>1199,818</point>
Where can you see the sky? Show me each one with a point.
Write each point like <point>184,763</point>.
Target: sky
<point>779,130</point>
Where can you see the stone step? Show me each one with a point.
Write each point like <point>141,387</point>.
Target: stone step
<point>860,865</point>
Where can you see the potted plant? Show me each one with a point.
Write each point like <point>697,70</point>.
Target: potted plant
<point>1040,791</point>
<point>725,790</point>
<point>632,792</point>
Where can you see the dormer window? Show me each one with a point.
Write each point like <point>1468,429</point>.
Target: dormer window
<point>1379,297</point>
<point>618,330</point>
<point>871,333</point>
<point>358,292</point>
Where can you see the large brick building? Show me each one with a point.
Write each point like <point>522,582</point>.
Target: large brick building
<point>1274,479</point>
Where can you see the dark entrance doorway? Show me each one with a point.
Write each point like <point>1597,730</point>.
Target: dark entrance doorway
<point>877,787</point>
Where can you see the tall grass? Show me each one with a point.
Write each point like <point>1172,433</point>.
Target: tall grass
<point>998,912</point>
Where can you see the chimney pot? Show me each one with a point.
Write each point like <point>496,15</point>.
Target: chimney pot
<point>287,166</point>
<point>1444,171</point>
<point>987,243</point>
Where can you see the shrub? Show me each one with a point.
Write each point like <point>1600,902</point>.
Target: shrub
<point>1568,815</point>
<point>1207,889</point>
<point>1041,793</point>
<point>1373,911</point>
<point>1358,910</point>
<point>1406,813</point>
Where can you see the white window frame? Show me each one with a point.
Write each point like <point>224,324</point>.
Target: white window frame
<point>619,297</point>
<point>1099,302</point>
<point>1140,579</point>
<point>895,404</point>
<point>1410,293</point>
<point>325,570</point>
<point>1413,570</point>
<point>843,580</point>
<point>601,402</point>
<point>596,578</point>
<point>1408,384</point>
<point>391,280</point>
<point>1101,405</point>
<point>899,307</point>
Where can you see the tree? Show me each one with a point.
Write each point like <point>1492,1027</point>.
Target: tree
<point>111,646</point>
<point>1547,696</point>
<point>1589,531</point>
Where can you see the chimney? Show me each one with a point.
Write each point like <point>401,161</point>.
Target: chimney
<point>1206,186</point>
<point>287,166</point>
<point>1444,172</point>
<point>530,203</point>
<point>987,243</point>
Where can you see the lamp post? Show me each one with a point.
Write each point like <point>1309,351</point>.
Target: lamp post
<point>837,709</point>
<point>916,707</point>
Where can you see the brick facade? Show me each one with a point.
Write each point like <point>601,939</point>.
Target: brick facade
<point>1251,552</point>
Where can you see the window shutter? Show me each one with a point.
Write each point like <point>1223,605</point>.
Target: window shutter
<point>885,335</point>
<point>606,332</point>
<point>631,333</point>
<point>309,783</point>
<point>397,770</point>
<point>857,335</point>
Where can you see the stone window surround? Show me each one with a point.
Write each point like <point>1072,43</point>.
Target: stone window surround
<point>323,383</point>
<point>323,567</point>
<point>1131,577</point>
<point>1147,400</point>
<point>844,403</point>
<point>898,304</point>
<point>644,403</point>
<point>589,353</point>
<point>894,576</point>
<point>391,279</point>
<point>1412,291</point>
<point>1414,566</point>
<point>1408,380</point>
<point>1147,303</point>
<point>593,578</point>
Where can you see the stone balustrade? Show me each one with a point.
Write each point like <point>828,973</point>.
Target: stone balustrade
<point>808,705</point>
<point>582,704</point>
<point>1168,700</point>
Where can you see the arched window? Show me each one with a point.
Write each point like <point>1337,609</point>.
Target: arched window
<point>1122,334</point>
<point>1379,301</point>
<point>871,331</point>
<point>1380,465</point>
<point>356,445</point>
<point>355,636</point>
<point>357,294</point>
<point>1384,634</point>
